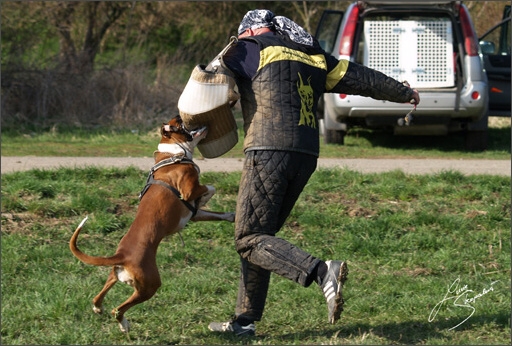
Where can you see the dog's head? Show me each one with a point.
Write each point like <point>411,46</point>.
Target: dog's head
<point>174,132</point>
<point>176,139</point>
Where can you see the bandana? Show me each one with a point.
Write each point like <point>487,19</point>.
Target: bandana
<point>256,19</point>
<point>286,26</point>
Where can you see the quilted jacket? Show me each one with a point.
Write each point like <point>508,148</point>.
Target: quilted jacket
<point>279,104</point>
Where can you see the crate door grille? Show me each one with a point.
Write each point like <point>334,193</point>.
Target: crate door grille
<point>420,52</point>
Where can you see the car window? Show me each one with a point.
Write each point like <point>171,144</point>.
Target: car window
<point>497,41</point>
<point>328,29</point>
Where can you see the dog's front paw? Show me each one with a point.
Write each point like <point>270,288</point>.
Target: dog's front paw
<point>230,217</point>
<point>206,197</point>
<point>97,310</point>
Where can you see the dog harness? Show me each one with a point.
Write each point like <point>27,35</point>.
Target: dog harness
<point>152,181</point>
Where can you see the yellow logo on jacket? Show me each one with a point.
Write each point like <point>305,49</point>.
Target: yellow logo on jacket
<point>306,103</point>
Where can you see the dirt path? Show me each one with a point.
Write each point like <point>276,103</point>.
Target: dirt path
<point>11,164</point>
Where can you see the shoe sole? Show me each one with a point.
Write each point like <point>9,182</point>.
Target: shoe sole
<point>243,332</point>
<point>338,300</point>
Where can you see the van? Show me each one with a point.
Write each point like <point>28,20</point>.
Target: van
<point>430,44</point>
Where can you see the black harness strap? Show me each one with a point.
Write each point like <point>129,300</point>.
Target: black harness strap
<point>152,181</point>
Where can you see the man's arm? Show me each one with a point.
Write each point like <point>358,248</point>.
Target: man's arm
<point>354,79</point>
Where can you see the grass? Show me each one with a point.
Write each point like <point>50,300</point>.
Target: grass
<point>359,143</point>
<point>407,239</point>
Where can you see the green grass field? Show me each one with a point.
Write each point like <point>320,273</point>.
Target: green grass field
<point>426,254</point>
<point>359,143</point>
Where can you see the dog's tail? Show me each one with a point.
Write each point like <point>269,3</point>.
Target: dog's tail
<point>91,260</point>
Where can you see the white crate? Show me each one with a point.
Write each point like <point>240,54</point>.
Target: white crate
<point>420,52</point>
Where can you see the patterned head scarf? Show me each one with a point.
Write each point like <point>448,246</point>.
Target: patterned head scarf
<point>256,19</point>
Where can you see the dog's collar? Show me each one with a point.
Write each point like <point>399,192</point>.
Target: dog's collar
<point>172,160</point>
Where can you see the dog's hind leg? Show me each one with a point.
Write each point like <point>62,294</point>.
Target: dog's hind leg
<point>98,300</point>
<point>136,298</point>
<point>143,291</point>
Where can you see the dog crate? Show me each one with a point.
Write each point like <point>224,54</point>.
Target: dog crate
<point>420,52</point>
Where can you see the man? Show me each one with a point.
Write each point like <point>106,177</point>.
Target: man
<point>281,72</point>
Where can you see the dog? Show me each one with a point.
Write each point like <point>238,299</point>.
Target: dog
<point>172,196</point>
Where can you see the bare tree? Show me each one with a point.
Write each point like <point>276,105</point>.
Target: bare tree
<point>93,19</point>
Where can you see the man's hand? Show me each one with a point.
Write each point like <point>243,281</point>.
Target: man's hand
<point>415,98</point>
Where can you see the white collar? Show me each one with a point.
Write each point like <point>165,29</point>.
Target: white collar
<point>175,149</point>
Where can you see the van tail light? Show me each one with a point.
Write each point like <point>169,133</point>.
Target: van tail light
<point>470,39</point>
<point>343,96</point>
<point>347,36</point>
<point>475,95</point>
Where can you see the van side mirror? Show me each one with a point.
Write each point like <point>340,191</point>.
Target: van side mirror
<point>487,47</point>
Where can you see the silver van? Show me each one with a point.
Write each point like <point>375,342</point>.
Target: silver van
<point>430,44</point>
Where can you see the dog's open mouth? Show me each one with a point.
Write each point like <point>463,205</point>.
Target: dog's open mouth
<point>202,131</point>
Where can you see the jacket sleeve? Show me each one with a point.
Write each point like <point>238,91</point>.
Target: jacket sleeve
<point>347,77</point>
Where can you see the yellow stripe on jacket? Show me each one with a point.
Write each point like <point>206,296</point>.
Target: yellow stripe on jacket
<point>278,53</point>
<point>336,74</point>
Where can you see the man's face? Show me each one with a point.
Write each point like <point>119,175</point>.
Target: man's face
<point>245,33</point>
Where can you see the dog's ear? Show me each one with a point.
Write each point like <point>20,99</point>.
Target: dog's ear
<point>165,130</point>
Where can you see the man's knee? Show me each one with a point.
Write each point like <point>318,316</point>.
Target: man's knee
<point>245,244</point>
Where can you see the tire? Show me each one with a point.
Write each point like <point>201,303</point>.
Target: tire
<point>334,137</point>
<point>476,140</point>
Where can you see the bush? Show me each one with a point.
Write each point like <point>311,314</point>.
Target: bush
<point>40,100</point>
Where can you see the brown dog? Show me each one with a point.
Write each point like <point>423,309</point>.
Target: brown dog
<point>163,210</point>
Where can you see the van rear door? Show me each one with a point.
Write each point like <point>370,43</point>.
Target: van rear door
<point>328,28</point>
<point>495,47</point>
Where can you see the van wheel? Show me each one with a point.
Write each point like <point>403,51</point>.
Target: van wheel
<point>334,136</point>
<point>476,140</point>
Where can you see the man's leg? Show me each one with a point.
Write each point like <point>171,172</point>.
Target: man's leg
<point>271,184</point>
<point>252,292</point>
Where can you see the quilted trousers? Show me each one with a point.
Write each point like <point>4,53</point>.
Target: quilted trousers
<point>270,185</point>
